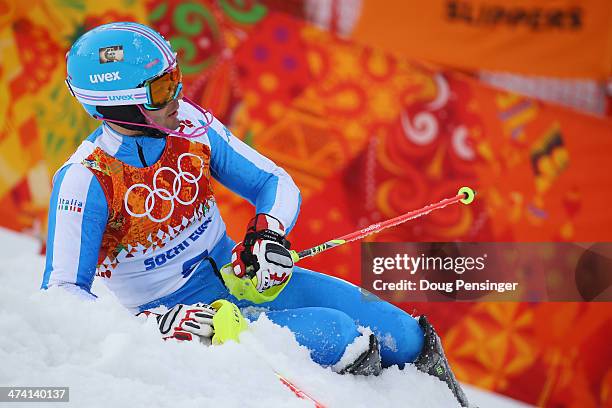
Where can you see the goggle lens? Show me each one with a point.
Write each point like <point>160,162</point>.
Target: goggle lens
<point>164,88</point>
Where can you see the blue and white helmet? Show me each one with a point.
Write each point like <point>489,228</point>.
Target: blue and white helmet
<point>108,65</point>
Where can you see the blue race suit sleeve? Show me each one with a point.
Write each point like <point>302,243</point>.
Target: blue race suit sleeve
<point>77,220</point>
<point>253,176</point>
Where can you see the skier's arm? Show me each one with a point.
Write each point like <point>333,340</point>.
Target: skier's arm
<point>253,176</point>
<point>77,219</point>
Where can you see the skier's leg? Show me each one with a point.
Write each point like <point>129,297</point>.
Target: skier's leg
<point>403,339</point>
<point>400,336</point>
<point>332,338</point>
<point>325,332</point>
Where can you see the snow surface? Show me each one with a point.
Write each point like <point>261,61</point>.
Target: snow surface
<point>110,358</point>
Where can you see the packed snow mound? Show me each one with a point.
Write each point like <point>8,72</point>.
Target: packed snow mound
<point>110,358</point>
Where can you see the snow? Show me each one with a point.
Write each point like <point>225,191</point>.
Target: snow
<point>110,358</point>
<point>354,350</point>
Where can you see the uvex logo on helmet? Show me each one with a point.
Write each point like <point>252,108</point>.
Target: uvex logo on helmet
<point>108,77</point>
<point>121,98</point>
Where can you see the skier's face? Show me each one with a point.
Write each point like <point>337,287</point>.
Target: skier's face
<point>168,115</point>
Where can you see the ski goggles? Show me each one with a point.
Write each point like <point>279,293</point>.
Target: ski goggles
<point>164,88</point>
<point>153,94</point>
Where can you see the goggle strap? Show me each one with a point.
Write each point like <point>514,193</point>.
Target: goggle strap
<point>134,96</point>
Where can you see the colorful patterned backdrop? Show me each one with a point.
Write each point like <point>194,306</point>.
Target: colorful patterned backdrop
<point>366,135</point>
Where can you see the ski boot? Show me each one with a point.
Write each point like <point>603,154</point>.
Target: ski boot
<point>368,362</point>
<point>433,361</point>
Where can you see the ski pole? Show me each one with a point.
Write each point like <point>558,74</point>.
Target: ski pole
<point>465,195</point>
<point>244,288</point>
<point>297,390</point>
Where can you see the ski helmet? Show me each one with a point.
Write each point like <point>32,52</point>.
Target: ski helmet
<point>122,64</point>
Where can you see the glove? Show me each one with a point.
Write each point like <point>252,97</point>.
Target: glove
<point>264,253</point>
<point>187,322</point>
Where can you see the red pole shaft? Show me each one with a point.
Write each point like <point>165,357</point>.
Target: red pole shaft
<point>465,195</point>
<point>354,236</point>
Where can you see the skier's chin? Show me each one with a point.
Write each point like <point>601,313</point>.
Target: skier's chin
<point>173,122</point>
<point>169,122</point>
<point>166,117</point>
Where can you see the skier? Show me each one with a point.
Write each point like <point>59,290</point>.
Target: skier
<point>134,206</point>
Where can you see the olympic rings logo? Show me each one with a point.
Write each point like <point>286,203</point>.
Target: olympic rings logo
<point>163,194</point>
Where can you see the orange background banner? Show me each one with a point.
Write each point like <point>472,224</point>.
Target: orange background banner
<point>559,38</point>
